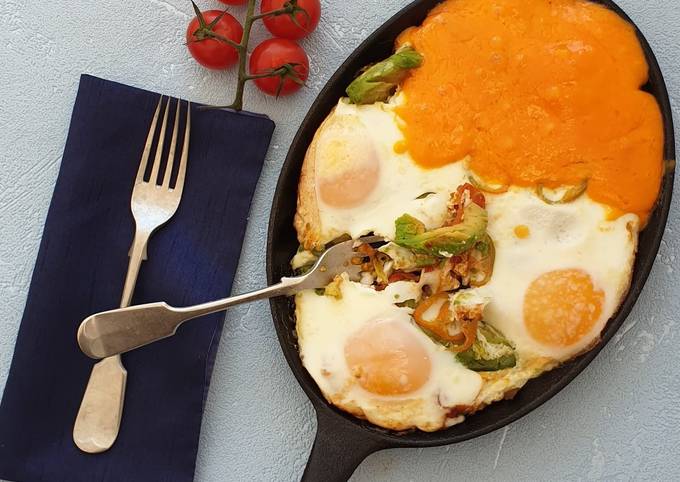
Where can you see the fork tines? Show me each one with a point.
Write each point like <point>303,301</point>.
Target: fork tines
<point>156,141</point>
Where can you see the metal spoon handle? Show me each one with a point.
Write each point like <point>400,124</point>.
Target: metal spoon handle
<point>118,331</point>
<point>285,287</point>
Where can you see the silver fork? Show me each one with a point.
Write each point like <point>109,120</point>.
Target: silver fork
<point>154,202</point>
<point>117,331</point>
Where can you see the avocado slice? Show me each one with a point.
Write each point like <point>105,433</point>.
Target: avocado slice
<point>446,241</point>
<point>490,352</point>
<point>380,81</point>
<point>405,259</point>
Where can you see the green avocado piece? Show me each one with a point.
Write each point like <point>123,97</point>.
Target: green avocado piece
<point>380,81</point>
<point>490,352</point>
<point>446,241</point>
<point>405,259</point>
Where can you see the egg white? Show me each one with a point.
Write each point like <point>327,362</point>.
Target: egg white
<point>324,324</point>
<point>400,180</point>
<point>575,235</point>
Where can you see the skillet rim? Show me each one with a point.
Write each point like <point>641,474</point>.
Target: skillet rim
<point>649,242</point>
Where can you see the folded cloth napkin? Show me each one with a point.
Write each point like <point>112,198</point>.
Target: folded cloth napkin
<point>81,268</point>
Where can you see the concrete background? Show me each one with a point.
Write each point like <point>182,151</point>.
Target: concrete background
<point>619,420</point>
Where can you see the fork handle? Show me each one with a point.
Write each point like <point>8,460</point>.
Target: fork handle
<point>98,420</point>
<point>137,255</point>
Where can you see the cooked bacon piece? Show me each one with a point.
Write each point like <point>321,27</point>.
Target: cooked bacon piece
<point>400,275</point>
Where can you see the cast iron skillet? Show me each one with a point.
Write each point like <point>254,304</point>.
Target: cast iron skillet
<point>343,441</point>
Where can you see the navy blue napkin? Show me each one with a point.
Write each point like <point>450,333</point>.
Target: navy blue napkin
<point>81,268</point>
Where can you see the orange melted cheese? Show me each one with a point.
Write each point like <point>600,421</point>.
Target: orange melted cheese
<point>536,91</point>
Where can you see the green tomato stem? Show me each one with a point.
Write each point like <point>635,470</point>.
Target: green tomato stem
<point>221,38</point>
<point>273,73</point>
<point>242,49</point>
<point>206,31</point>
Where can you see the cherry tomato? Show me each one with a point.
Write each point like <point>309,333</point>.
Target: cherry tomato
<point>211,52</point>
<point>234,2</point>
<point>274,54</point>
<point>283,25</point>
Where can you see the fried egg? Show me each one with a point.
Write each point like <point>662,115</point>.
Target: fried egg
<point>370,359</point>
<point>357,178</point>
<point>561,271</point>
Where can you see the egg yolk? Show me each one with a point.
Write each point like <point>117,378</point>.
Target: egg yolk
<point>387,359</point>
<point>536,92</point>
<point>521,231</point>
<point>347,165</point>
<point>561,307</point>
<point>400,147</point>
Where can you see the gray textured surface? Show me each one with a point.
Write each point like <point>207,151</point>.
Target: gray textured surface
<point>620,419</point>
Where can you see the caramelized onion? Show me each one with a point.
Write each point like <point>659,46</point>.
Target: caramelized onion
<point>438,325</point>
<point>459,342</point>
<point>483,264</point>
<point>469,331</point>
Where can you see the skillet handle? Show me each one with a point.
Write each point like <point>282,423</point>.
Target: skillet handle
<point>339,448</point>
